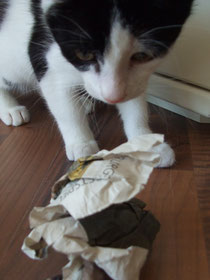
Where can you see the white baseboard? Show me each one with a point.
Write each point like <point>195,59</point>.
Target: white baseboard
<point>177,109</point>
<point>186,100</point>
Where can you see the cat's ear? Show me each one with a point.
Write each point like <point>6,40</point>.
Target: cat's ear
<point>46,4</point>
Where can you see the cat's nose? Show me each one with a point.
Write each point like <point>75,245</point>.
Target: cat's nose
<point>114,101</point>
<point>113,91</point>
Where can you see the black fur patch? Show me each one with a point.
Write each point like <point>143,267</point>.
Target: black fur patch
<point>81,26</point>
<point>3,8</point>
<point>157,23</point>
<point>40,41</point>
<point>85,25</point>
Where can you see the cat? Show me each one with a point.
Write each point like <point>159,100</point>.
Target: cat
<point>75,50</point>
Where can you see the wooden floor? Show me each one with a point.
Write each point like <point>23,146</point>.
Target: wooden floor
<point>32,157</point>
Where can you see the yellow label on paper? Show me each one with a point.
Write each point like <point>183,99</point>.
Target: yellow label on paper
<point>79,167</point>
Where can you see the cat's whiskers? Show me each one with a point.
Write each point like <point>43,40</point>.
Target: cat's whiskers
<point>39,44</point>
<point>78,26</point>
<point>74,94</point>
<point>153,43</point>
<point>145,37</point>
<point>158,29</point>
<point>94,115</point>
<point>86,97</point>
<point>73,43</point>
<point>79,35</point>
<point>35,102</point>
<point>80,99</point>
<point>77,96</point>
<point>159,43</point>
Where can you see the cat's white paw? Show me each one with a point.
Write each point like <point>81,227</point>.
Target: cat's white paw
<point>84,149</point>
<point>167,155</point>
<point>15,116</point>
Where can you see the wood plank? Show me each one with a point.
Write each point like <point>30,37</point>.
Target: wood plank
<point>200,146</point>
<point>26,157</point>
<point>179,250</point>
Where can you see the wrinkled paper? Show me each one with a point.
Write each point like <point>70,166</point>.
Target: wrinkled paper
<point>92,185</point>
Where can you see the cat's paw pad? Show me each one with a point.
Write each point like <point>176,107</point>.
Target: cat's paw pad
<point>167,155</point>
<point>84,149</point>
<point>15,116</point>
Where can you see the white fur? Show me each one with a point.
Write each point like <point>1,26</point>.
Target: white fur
<point>61,79</point>
<point>118,80</point>
<point>15,34</point>
<point>15,64</point>
<point>167,156</point>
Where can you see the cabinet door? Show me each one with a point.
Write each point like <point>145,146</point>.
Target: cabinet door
<point>189,59</point>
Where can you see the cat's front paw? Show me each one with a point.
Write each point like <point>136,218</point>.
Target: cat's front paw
<point>167,155</point>
<point>15,116</point>
<point>83,149</point>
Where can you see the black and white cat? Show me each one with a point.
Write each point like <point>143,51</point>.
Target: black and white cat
<point>68,48</point>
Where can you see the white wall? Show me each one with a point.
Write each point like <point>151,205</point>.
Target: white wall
<point>189,62</point>
<point>190,58</point>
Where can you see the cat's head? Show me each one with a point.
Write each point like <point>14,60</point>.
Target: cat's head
<point>116,44</point>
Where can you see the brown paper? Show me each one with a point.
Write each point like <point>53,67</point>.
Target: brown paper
<point>92,185</point>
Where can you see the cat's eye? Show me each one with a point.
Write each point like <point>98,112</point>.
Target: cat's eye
<point>85,56</point>
<point>141,57</point>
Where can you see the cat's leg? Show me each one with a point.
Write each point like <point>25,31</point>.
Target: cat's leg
<point>11,112</point>
<point>135,119</point>
<point>72,121</point>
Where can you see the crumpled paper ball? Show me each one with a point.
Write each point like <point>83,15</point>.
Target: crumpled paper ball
<point>93,216</point>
